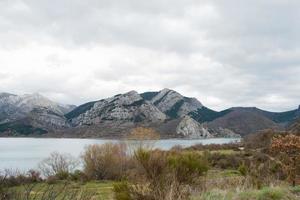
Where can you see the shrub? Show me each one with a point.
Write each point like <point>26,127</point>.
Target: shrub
<point>226,161</point>
<point>187,166</point>
<point>260,140</point>
<point>58,164</point>
<point>166,175</point>
<point>51,180</point>
<point>122,191</point>
<point>215,147</point>
<point>288,148</point>
<point>243,169</point>
<point>107,161</point>
<point>78,175</point>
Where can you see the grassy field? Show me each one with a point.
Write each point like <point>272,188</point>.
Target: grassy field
<point>268,193</point>
<point>102,190</point>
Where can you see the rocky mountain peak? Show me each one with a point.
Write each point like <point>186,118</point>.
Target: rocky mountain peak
<point>174,104</point>
<point>126,98</point>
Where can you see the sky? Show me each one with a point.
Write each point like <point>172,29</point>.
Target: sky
<point>224,53</point>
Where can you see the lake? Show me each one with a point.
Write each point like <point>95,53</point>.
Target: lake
<point>26,153</point>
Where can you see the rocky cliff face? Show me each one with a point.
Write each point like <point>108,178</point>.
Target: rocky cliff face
<point>189,128</point>
<point>128,107</point>
<point>172,103</point>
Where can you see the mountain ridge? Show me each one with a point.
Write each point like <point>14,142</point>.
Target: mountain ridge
<point>167,111</point>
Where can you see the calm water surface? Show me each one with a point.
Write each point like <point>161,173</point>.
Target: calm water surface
<point>26,153</point>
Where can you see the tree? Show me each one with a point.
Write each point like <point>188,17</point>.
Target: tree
<point>58,164</point>
<point>287,149</point>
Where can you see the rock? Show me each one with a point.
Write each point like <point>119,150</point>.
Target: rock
<point>173,104</point>
<point>189,128</point>
<point>124,107</point>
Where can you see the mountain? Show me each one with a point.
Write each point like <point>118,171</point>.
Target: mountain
<point>283,118</point>
<point>167,111</point>
<point>114,116</point>
<point>243,121</point>
<point>295,126</point>
<point>247,120</point>
<point>31,113</point>
<point>128,107</point>
<point>175,105</point>
<point>172,103</point>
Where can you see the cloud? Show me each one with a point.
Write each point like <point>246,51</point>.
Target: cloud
<point>225,53</point>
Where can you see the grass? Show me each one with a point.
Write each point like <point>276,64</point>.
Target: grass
<point>102,190</point>
<point>221,151</point>
<point>222,173</point>
<point>268,193</point>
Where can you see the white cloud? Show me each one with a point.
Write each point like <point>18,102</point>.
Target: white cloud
<point>225,53</point>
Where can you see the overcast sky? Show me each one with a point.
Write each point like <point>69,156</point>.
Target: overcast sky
<point>225,53</point>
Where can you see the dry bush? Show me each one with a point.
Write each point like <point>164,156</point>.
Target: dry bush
<point>287,150</point>
<point>60,165</point>
<point>107,161</point>
<point>260,140</point>
<point>226,161</point>
<point>163,175</point>
<point>10,178</point>
<point>263,170</point>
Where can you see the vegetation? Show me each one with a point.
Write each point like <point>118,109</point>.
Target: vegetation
<point>137,171</point>
<point>288,148</point>
<point>105,162</point>
<point>20,128</point>
<point>59,165</point>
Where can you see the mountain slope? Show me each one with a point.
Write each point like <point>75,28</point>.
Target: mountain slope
<point>172,103</point>
<point>31,113</point>
<point>244,122</point>
<point>282,118</point>
<point>295,127</point>
<point>128,107</point>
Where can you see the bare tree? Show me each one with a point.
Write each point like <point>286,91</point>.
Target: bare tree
<point>58,163</point>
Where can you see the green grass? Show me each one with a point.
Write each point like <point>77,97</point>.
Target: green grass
<point>102,190</point>
<point>296,189</point>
